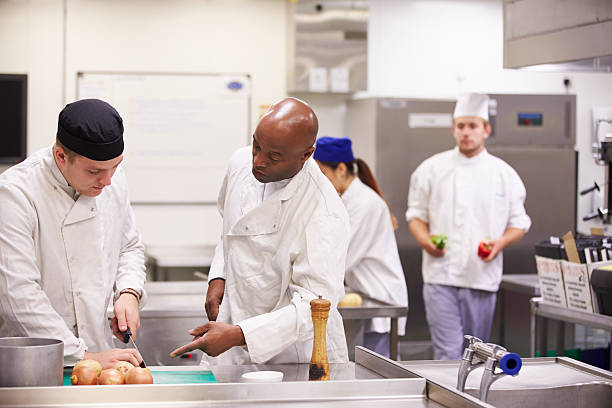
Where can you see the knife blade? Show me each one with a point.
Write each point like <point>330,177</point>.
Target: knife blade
<point>127,338</point>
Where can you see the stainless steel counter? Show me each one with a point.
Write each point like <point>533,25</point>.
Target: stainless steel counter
<point>164,258</point>
<point>372,308</point>
<point>526,283</point>
<point>294,372</point>
<point>367,393</point>
<point>172,309</point>
<point>351,384</point>
<point>371,381</point>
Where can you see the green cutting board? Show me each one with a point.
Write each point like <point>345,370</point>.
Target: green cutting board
<point>170,377</point>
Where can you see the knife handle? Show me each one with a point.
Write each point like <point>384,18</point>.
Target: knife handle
<point>126,335</point>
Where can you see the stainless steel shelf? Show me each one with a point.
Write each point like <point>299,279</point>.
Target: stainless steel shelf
<point>545,311</point>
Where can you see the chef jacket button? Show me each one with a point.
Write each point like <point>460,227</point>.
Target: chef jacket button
<point>246,228</point>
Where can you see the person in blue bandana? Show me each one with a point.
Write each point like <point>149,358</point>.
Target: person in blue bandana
<point>373,265</point>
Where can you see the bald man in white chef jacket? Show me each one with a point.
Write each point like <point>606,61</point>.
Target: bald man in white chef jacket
<point>285,238</point>
<point>470,196</point>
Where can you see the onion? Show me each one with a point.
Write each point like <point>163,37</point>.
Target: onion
<point>94,364</point>
<point>139,375</point>
<point>123,367</point>
<point>111,377</point>
<point>84,376</point>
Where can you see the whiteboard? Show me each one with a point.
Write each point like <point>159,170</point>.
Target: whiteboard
<point>180,130</point>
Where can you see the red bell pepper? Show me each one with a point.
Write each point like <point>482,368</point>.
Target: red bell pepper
<point>484,249</point>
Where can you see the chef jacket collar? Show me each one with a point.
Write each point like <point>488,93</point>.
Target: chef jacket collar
<point>273,187</point>
<point>286,188</point>
<point>59,177</point>
<point>295,181</point>
<point>462,158</point>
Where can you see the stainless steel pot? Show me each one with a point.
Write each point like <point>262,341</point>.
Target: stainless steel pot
<point>29,361</point>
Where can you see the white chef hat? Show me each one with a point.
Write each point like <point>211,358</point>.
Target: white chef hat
<point>472,104</point>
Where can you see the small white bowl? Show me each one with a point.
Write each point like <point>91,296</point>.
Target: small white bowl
<point>262,376</point>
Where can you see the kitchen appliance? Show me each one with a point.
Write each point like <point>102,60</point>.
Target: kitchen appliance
<point>29,362</point>
<point>602,153</point>
<point>601,281</point>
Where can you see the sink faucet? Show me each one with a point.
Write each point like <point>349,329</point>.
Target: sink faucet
<point>490,376</point>
<point>468,363</point>
<point>492,356</point>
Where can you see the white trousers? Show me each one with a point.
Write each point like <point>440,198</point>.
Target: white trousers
<point>452,312</point>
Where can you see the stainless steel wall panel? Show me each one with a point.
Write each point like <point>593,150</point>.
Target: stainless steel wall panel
<point>549,175</point>
<point>558,127</point>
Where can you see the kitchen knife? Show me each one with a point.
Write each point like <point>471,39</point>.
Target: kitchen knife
<point>127,338</point>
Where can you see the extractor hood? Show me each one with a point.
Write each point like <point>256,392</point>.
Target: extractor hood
<point>558,35</point>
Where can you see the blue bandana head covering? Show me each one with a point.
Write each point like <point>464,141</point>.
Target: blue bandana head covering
<point>334,150</point>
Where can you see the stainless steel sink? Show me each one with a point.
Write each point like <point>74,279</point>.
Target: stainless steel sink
<point>542,382</point>
<point>591,395</point>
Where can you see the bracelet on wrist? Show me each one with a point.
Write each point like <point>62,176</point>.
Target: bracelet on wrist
<point>131,292</point>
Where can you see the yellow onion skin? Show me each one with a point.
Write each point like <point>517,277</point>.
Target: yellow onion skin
<point>95,364</point>
<point>139,375</point>
<point>111,377</point>
<point>123,367</point>
<point>84,376</point>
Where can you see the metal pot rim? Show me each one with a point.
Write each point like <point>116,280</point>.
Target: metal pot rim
<point>45,342</point>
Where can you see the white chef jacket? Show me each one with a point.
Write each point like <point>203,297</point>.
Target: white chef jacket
<point>276,255</point>
<point>372,263</point>
<point>63,255</point>
<point>470,200</point>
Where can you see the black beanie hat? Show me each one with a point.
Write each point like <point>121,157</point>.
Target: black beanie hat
<point>91,128</point>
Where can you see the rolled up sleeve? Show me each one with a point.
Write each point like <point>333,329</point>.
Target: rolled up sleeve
<point>518,216</point>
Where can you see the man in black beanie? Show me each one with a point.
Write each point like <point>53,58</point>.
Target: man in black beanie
<point>68,240</point>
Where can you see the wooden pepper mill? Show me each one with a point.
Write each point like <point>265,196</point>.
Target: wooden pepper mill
<point>319,366</point>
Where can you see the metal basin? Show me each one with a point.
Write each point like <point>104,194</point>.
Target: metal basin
<point>592,395</point>
<point>28,361</point>
<point>542,382</point>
